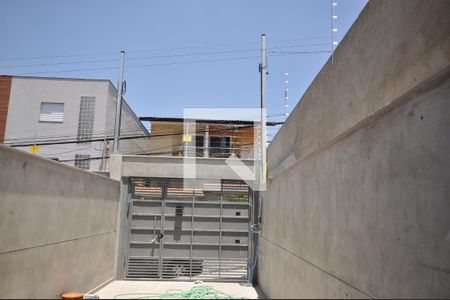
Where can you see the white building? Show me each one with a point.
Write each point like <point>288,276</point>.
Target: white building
<point>70,120</point>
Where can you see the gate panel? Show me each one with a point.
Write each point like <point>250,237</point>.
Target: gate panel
<point>189,233</point>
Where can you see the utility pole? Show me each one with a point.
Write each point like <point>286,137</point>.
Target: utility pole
<point>263,71</point>
<point>104,150</point>
<point>261,169</point>
<point>119,104</point>
<point>34,147</point>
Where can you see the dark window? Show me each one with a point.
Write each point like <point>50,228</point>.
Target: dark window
<point>219,146</point>
<point>199,140</point>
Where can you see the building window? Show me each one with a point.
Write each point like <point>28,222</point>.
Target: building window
<point>219,146</point>
<point>86,118</point>
<point>51,112</point>
<point>83,161</point>
<point>199,140</point>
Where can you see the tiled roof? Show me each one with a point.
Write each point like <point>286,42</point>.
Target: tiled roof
<point>215,121</point>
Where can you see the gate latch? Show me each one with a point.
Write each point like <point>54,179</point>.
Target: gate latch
<point>158,239</point>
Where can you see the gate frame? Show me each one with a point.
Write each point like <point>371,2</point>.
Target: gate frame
<point>124,233</point>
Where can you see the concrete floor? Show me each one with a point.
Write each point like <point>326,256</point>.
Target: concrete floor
<point>140,288</point>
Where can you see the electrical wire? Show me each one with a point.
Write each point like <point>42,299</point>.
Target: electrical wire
<point>298,52</point>
<point>159,50</point>
<point>52,129</point>
<point>276,115</point>
<point>171,64</point>
<point>158,57</point>
<point>81,141</point>
<point>70,151</point>
<point>153,152</point>
<point>99,134</point>
<point>70,134</point>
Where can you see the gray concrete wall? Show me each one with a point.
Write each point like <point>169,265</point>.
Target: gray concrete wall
<point>57,227</point>
<point>173,167</point>
<point>358,192</point>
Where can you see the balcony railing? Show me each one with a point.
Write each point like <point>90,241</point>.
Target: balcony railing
<point>214,152</point>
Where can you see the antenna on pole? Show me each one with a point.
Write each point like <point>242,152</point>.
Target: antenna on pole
<point>286,94</point>
<point>119,104</point>
<point>333,29</point>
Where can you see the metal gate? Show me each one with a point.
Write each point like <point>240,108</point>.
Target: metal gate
<point>189,233</point>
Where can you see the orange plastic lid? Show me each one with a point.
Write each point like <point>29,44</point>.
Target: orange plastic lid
<point>72,295</point>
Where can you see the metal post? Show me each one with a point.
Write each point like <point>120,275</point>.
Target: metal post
<point>165,187</point>
<point>119,104</point>
<point>102,164</point>
<point>206,142</point>
<point>220,229</point>
<point>192,234</point>
<point>263,71</point>
<point>262,169</point>
<point>286,94</point>
<point>34,146</point>
<point>251,253</point>
<point>106,167</point>
<point>332,4</point>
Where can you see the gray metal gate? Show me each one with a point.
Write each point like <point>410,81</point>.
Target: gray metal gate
<point>189,233</point>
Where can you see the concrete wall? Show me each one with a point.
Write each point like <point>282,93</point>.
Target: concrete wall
<point>173,167</point>
<point>57,227</point>
<point>358,192</point>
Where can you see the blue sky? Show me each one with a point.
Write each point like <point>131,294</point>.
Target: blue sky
<point>161,80</point>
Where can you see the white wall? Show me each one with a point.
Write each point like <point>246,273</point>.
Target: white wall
<point>23,124</point>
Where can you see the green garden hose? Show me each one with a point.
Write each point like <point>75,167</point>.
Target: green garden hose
<point>197,292</point>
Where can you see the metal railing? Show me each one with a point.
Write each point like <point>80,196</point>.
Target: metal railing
<point>214,152</point>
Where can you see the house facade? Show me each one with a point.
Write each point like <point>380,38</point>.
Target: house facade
<point>189,215</point>
<point>207,138</point>
<point>66,119</point>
